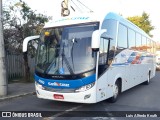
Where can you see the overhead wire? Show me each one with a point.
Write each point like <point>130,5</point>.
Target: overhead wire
<point>85,6</point>
<point>76,6</point>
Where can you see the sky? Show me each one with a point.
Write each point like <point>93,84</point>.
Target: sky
<point>127,8</point>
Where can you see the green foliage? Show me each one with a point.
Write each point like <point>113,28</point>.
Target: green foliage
<point>143,22</point>
<point>20,21</point>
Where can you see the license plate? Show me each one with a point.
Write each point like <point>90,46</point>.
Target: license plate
<point>58,96</point>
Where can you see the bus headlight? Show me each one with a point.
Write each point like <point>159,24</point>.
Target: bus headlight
<point>86,87</point>
<point>39,86</point>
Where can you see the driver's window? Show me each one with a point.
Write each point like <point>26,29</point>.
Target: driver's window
<point>102,65</point>
<point>103,51</point>
<point>122,38</point>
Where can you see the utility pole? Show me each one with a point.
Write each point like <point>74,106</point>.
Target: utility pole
<point>3,78</point>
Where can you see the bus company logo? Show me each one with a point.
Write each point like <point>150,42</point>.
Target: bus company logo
<point>73,18</point>
<point>58,84</point>
<point>41,81</point>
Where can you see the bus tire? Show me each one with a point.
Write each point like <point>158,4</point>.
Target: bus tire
<point>114,98</point>
<point>148,79</point>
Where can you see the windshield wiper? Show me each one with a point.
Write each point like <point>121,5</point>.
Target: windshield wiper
<point>66,62</point>
<point>73,43</point>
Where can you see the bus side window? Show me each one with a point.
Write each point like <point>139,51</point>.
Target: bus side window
<point>148,45</point>
<point>122,38</point>
<point>102,65</point>
<point>152,47</point>
<point>144,43</point>
<point>138,41</point>
<point>131,39</point>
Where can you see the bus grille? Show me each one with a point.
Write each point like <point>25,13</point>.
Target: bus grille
<point>59,90</point>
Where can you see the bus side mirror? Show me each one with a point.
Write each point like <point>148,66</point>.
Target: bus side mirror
<point>95,44</point>
<point>106,36</point>
<point>27,39</point>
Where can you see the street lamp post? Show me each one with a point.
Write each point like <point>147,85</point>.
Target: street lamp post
<point>3,79</point>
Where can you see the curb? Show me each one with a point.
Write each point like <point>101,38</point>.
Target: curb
<point>16,96</point>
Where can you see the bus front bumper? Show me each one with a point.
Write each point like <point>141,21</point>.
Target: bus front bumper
<point>88,96</point>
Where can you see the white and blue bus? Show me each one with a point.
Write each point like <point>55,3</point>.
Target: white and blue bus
<point>87,59</point>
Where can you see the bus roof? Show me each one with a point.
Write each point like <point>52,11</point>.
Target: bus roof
<point>125,22</point>
<point>92,17</point>
<point>70,20</point>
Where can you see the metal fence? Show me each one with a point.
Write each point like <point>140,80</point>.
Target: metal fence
<point>15,66</point>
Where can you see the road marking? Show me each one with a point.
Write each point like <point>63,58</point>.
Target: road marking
<point>16,96</point>
<point>62,113</point>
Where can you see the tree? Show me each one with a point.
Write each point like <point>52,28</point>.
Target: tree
<point>143,22</point>
<point>20,21</point>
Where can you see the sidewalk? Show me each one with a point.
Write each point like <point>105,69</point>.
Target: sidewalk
<point>18,90</point>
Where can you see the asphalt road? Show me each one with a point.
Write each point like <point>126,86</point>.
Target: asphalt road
<point>139,98</point>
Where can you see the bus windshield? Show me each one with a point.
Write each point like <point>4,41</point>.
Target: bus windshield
<point>66,50</point>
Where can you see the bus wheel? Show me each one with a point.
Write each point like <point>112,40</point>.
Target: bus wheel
<point>116,92</point>
<point>148,79</point>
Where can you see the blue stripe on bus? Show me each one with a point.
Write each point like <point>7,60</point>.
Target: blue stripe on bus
<point>70,84</point>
